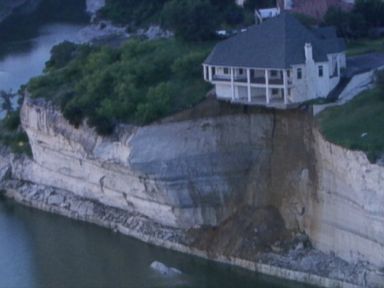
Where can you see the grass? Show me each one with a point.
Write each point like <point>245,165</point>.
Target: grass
<point>358,124</point>
<point>364,46</point>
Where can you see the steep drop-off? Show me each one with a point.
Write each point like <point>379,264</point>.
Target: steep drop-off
<point>220,173</point>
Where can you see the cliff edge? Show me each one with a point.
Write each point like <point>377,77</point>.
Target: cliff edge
<point>238,186</point>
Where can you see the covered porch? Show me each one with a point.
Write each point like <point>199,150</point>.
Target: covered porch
<point>251,86</point>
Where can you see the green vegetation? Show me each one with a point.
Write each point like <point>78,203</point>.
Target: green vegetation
<point>256,4</point>
<point>192,20</point>
<point>11,134</point>
<point>138,83</point>
<point>362,21</point>
<point>133,12</point>
<point>364,46</point>
<point>19,27</point>
<point>358,124</point>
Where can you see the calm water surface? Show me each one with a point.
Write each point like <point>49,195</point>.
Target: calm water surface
<point>24,59</point>
<point>43,250</point>
<point>39,250</point>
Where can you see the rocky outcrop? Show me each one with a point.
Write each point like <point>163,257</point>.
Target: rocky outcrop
<point>234,181</point>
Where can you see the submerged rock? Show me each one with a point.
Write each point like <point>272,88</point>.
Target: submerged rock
<point>164,269</point>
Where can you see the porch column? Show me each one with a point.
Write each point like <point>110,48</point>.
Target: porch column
<point>285,77</point>
<point>249,84</point>
<point>267,94</point>
<point>210,73</point>
<point>205,72</point>
<point>232,84</point>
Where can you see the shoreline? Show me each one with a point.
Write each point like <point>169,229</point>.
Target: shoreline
<point>134,225</point>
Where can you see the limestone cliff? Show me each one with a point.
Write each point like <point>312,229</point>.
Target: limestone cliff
<point>347,215</point>
<point>219,166</point>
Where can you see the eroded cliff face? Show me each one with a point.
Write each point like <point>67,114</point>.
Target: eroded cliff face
<point>217,168</point>
<point>183,174</point>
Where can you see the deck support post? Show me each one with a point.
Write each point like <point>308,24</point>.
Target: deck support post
<point>232,84</point>
<point>267,92</point>
<point>249,85</point>
<point>285,77</point>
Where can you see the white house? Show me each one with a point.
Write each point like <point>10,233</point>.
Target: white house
<point>278,63</point>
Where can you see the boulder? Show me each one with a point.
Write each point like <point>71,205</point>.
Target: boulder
<point>164,269</point>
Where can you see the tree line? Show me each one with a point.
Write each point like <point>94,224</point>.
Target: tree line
<point>191,20</point>
<point>366,18</point>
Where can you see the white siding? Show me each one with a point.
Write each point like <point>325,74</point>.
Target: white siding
<point>312,85</point>
<point>224,91</point>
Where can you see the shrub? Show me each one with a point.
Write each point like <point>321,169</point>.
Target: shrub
<point>12,120</point>
<point>193,20</point>
<point>12,136</point>
<point>61,54</point>
<point>137,83</point>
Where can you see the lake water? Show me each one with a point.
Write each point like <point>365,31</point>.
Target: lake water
<point>24,59</point>
<point>43,250</point>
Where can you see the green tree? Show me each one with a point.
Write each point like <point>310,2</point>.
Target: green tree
<point>187,66</point>
<point>133,12</point>
<point>372,11</point>
<point>61,54</point>
<point>340,19</point>
<point>193,20</point>
<point>157,103</point>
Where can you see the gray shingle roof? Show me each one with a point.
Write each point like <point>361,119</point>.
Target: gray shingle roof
<point>276,43</point>
<point>325,32</point>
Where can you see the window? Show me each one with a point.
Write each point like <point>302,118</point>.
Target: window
<point>299,73</point>
<point>226,71</point>
<point>321,71</point>
<point>275,91</point>
<point>289,91</point>
<point>241,71</point>
<point>273,73</point>
<point>289,73</point>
